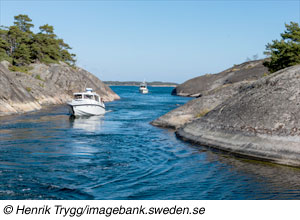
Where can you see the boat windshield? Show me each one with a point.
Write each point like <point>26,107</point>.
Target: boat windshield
<point>78,96</point>
<point>97,98</point>
<point>88,96</point>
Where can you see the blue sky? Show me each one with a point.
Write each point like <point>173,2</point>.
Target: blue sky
<point>159,40</point>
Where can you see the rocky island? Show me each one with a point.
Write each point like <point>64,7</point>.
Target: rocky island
<point>251,110</point>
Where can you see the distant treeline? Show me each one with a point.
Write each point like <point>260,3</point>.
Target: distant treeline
<point>136,83</point>
<point>20,46</point>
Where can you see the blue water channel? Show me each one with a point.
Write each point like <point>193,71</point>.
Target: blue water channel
<point>48,155</point>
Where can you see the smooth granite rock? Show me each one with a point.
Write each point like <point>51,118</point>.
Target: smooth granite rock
<point>262,120</point>
<point>45,85</point>
<point>247,71</point>
<point>211,90</point>
<point>197,107</point>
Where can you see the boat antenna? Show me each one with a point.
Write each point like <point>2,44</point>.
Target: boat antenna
<point>95,89</point>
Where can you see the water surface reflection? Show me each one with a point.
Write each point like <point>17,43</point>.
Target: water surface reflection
<point>88,123</point>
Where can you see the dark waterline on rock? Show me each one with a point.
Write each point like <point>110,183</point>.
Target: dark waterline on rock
<point>47,155</point>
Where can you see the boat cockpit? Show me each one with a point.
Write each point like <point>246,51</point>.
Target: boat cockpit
<point>81,96</point>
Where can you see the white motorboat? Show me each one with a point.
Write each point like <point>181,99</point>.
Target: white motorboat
<point>143,88</point>
<point>86,103</point>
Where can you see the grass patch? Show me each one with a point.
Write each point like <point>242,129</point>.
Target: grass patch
<point>28,89</point>
<point>4,56</point>
<point>249,67</point>
<point>202,113</point>
<point>39,77</point>
<point>23,69</point>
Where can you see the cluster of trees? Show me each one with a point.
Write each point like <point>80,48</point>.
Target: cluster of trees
<point>20,46</point>
<point>285,52</point>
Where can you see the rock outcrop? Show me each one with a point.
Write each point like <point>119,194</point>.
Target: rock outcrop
<point>211,90</point>
<point>248,71</point>
<point>197,107</point>
<point>262,120</point>
<point>45,85</point>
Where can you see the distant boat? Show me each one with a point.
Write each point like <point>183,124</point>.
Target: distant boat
<point>143,88</point>
<point>86,103</point>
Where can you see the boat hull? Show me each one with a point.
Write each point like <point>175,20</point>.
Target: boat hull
<point>86,110</point>
<point>144,91</point>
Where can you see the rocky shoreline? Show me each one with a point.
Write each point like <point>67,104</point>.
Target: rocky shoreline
<point>281,150</point>
<point>196,108</point>
<point>45,85</point>
<point>260,119</point>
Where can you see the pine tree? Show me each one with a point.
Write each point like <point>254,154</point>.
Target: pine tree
<point>4,46</point>
<point>20,46</point>
<point>21,56</point>
<point>23,23</point>
<point>285,52</point>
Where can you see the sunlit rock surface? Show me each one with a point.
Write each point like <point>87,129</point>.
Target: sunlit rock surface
<point>261,121</point>
<point>45,85</point>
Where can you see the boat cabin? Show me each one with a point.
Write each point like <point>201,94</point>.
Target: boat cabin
<point>87,95</point>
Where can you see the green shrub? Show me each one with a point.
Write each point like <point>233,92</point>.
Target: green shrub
<point>39,77</point>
